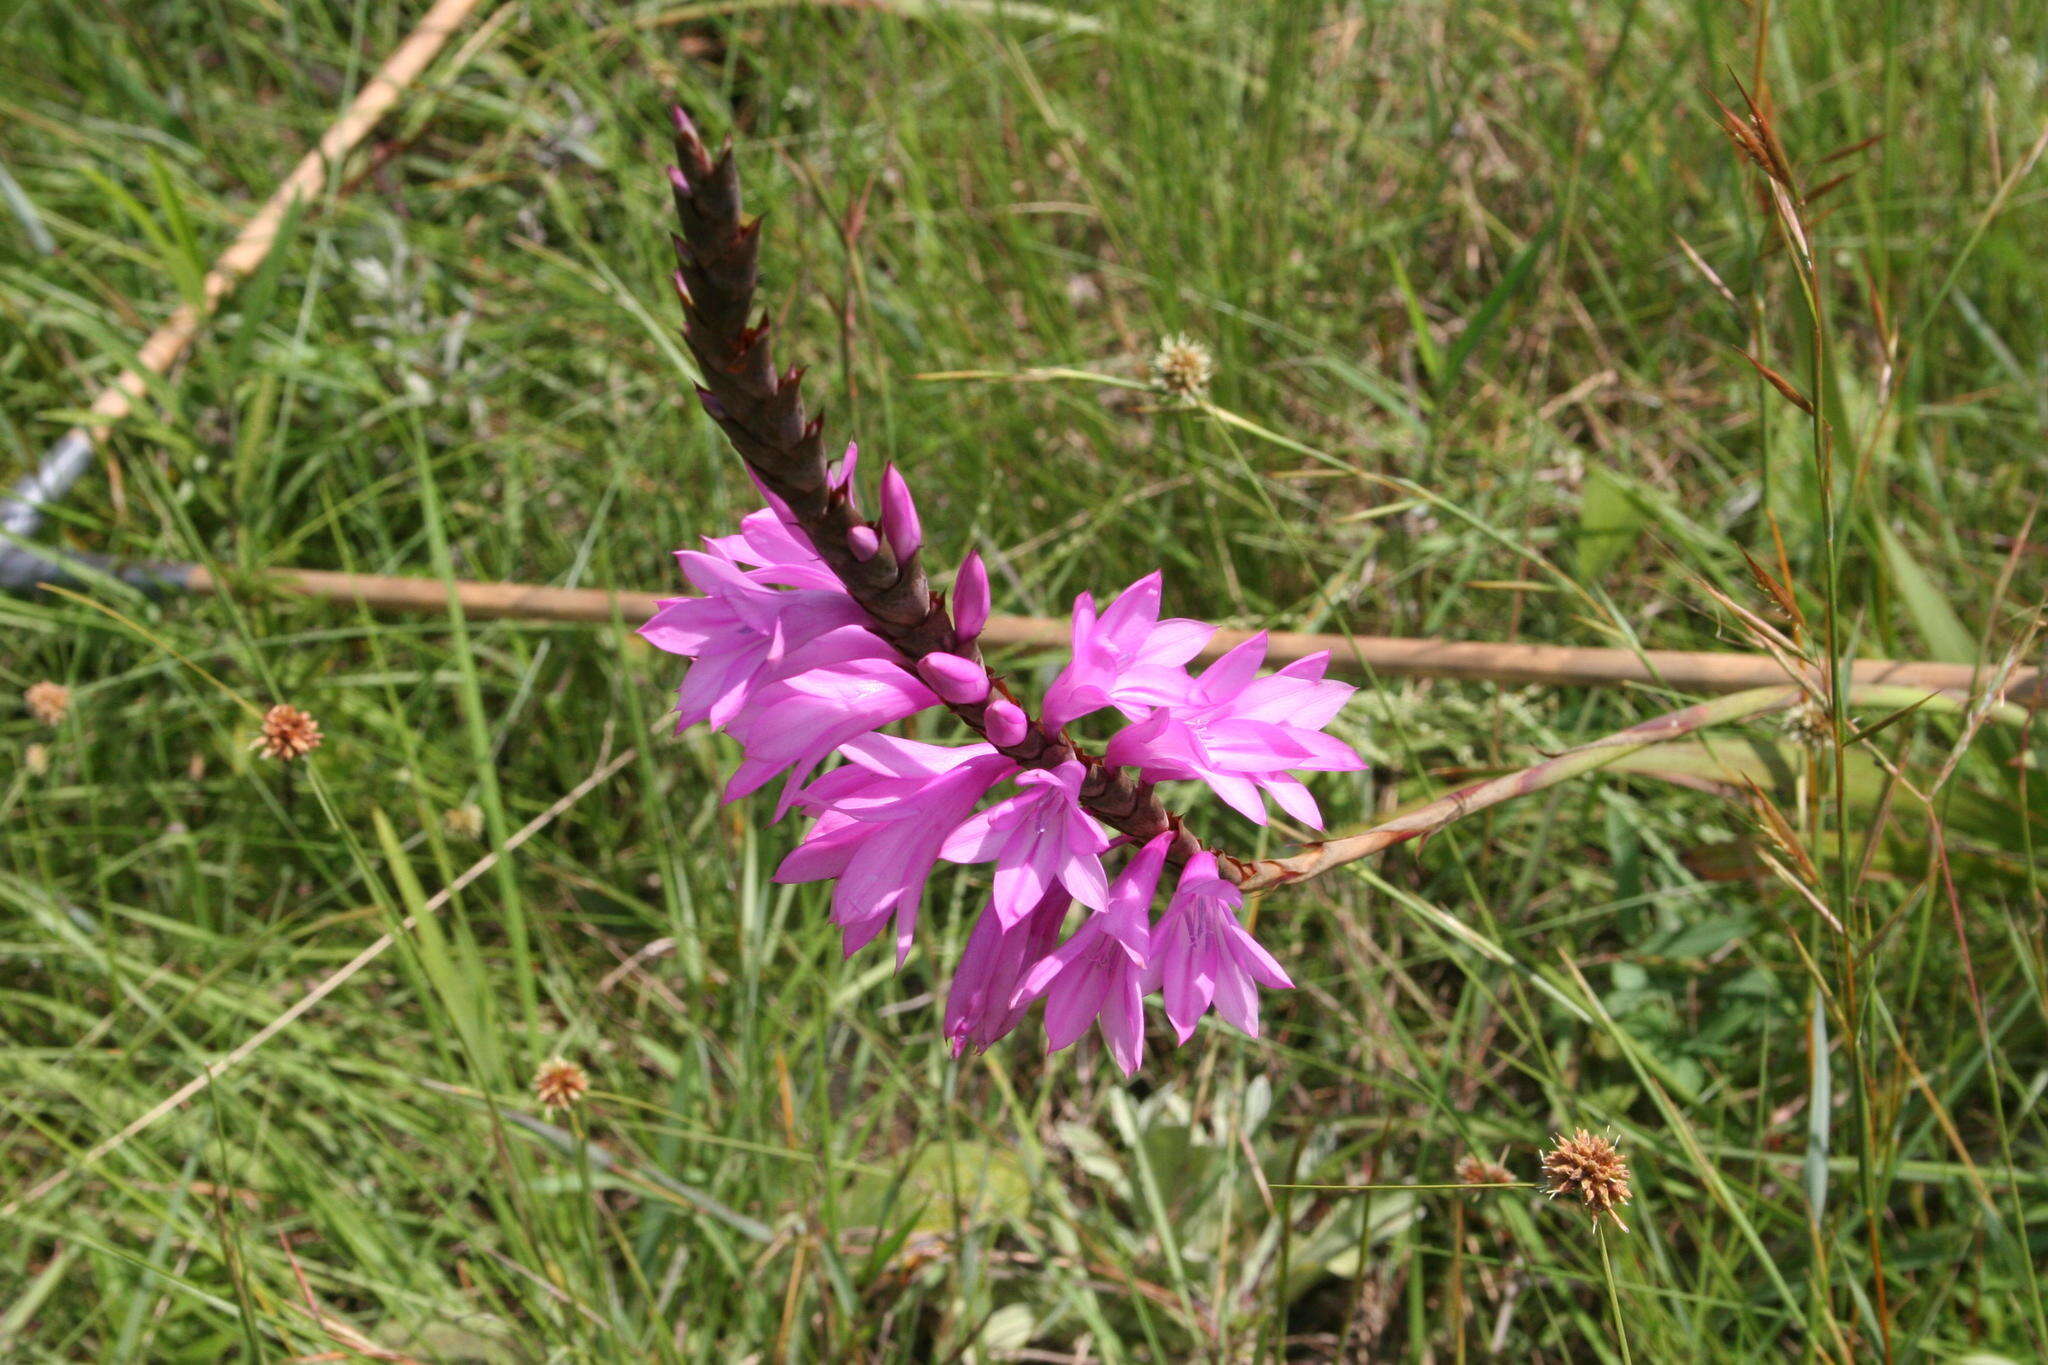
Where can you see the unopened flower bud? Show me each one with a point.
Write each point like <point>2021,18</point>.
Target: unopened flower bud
<point>899,515</point>
<point>970,598</point>
<point>839,478</point>
<point>1004,722</point>
<point>863,541</point>
<point>955,679</point>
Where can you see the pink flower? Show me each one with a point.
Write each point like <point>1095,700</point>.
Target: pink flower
<point>1036,838</point>
<point>791,725</point>
<point>983,1004</point>
<point>1201,954</point>
<point>771,545</point>
<point>881,821</point>
<point>1127,657</point>
<point>1097,975</point>
<point>771,610</point>
<point>1242,734</point>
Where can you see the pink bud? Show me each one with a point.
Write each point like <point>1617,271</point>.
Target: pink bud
<point>679,181</point>
<point>863,541</point>
<point>970,598</point>
<point>840,476</point>
<point>899,515</point>
<point>955,679</point>
<point>1003,722</point>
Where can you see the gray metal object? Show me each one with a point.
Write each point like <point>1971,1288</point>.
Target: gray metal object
<point>26,567</point>
<point>22,512</point>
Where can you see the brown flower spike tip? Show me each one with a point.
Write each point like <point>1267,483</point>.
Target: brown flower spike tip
<point>1588,1166</point>
<point>288,733</point>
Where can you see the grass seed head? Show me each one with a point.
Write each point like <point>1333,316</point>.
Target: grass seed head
<point>288,733</point>
<point>36,759</point>
<point>49,702</point>
<point>464,822</point>
<point>1588,1166</point>
<point>1182,367</point>
<point>1477,1170</point>
<point>560,1083</point>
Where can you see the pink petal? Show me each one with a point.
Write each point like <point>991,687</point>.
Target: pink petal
<point>1072,1004</point>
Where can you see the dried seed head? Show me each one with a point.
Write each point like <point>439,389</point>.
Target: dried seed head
<point>288,733</point>
<point>560,1083</point>
<point>1183,367</point>
<point>49,702</point>
<point>1588,1166</point>
<point>1477,1170</point>
<point>463,822</point>
<point>1807,724</point>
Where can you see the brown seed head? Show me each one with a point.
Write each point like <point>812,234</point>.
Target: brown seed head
<point>463,822</point>
<point>1477,1170</point>
<point>288,733</point>
<point>49,702</point>
<point>1183,367</point>
<point>1588,1166</point>
<point>560,1083</point>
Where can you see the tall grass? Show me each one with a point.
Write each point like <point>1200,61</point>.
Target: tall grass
<point>1498,251</point>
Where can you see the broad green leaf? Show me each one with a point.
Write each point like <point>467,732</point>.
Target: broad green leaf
<point>1933,616</point>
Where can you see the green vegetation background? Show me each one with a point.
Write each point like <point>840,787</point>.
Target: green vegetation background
<point>1496,248</point>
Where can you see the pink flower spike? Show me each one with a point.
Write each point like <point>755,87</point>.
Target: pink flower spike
<point>881,821</point>
<point>899,515</point>
<point>1004,722</point>
<point>1036,838</point>
<point>982,1004</point>
<point>957,680</point>
<point>970,599</point>
<point>863,541</point>
<point>1097,975</point>
<point>1201,954</point>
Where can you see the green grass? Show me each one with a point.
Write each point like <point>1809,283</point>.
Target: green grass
<point>1440,243</point>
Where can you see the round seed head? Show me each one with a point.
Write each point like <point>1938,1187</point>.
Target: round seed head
<point>1477,1170</point>
<point>49,702</point>
<point>1587,1167</point>
<point>1183,367</point>
<point>464,822</point>
<point>560,1083</point>
<point>288,733</point>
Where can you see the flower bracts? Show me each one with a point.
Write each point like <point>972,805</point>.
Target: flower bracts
<point>815,629</point>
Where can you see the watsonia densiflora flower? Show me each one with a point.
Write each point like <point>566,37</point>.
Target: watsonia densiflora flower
<point>815,627</point>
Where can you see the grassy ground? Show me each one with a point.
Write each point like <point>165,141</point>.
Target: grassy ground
<point>1497,249</point>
